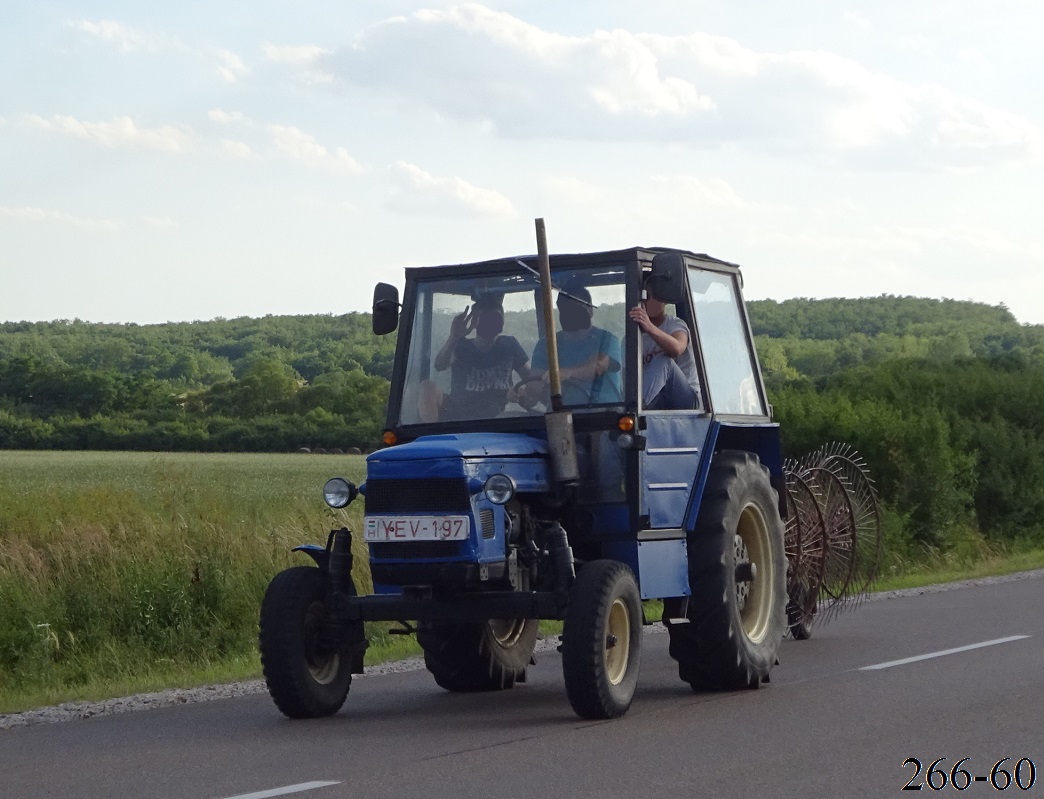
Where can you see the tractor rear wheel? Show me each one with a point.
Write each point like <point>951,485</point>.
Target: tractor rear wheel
<point>478,656</point>
<point>737,575</point>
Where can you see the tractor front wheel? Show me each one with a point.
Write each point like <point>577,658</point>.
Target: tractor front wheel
<point>602,640</point>
<point>304,679</point>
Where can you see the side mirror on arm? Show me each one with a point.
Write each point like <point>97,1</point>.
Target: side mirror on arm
<point>385,309</point>
<point>668,276</point>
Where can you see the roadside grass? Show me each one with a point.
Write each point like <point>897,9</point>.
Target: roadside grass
<point>124,573</point>
<point>940,568</point>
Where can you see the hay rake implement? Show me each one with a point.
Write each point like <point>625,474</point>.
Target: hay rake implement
<point>832,535</point>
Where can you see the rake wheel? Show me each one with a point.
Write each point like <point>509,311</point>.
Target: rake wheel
<point>805,545</point>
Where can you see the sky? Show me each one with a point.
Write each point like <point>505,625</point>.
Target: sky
<point>196,160</point>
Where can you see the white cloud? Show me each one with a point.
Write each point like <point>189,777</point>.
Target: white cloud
<point>226,117</point>
<point>111,32</point>
<point>575,191</point>
<point>713,192</point>
<point>236,149</point>
<point>418,191</point>
<point>44,215</point>
<point>305,58</point>
<point>230,66</point>
<point>303,147</point>
<point>298,55</point>
<point>121,133</point>
<point>159,222</point>
<point>858,20</point>
<point>472,63</point>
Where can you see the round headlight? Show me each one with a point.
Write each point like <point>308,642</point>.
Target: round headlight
<point>499,489</point>
<point>625,441</point>
<point>339,493</point>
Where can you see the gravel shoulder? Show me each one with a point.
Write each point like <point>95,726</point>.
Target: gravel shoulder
<point>71,711</point>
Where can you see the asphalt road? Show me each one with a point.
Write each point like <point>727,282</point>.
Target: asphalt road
<point>827,726</point>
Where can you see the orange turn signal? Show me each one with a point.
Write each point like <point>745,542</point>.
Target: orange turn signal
<point>389,437</point>
<point>625,423</point>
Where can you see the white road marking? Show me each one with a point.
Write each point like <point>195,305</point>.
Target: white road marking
<point>931,655</point>
<point>304,786</point>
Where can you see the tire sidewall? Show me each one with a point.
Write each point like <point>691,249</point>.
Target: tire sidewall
<point>291,597</point>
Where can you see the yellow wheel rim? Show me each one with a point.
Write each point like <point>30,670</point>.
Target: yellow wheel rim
<point>755,598</point>
<point>617,642</point>
<point>507,632</point>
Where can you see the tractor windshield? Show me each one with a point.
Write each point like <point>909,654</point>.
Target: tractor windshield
<point>477,349</point>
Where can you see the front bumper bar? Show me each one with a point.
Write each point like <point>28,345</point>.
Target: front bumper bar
<point>418,604</point>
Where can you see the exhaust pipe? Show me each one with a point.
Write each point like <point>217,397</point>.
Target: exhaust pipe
<point>561,441</point>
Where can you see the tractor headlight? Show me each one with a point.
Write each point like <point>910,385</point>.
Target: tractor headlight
<point>339,493</point>
<point>499,489</point>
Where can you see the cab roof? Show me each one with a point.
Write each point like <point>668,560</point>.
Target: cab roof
<point>567,261</point>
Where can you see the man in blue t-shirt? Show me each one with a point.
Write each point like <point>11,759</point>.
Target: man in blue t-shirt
<point>588,357</point>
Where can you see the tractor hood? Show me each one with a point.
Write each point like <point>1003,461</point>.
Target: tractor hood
<point>464,445</point>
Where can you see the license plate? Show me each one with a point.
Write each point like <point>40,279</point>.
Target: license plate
<point>417,528</point>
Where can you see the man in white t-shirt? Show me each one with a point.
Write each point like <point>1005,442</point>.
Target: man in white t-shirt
<point>669,376</point>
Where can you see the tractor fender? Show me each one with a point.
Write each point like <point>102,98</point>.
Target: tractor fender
<point>321,555</point>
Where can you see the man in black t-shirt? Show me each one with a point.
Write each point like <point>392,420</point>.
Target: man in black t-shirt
<point>483,367</point>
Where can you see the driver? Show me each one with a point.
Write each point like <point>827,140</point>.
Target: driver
<point>481,367</point>
<point>589,357</point>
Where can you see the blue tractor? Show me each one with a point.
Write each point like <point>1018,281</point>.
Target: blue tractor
<point>568,498</point>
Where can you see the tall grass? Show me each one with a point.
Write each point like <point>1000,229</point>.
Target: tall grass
<point>117,566</point>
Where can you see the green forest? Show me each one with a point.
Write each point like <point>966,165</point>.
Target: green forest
<point>944,399</point>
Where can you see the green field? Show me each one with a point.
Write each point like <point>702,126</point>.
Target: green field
<point>127,572</point>
<point>135,570</point>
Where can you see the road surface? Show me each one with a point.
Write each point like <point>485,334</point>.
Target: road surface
<point>950,674</point>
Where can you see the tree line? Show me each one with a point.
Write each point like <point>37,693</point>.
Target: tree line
<point>273,384</point>
<point>944,399</point>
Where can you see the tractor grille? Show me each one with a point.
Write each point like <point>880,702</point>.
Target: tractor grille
<point>486,523</point>
<point>415,550</point>
<point>428,495</point>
